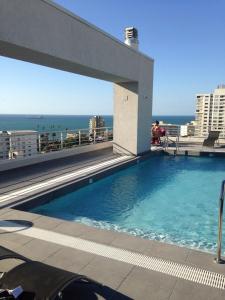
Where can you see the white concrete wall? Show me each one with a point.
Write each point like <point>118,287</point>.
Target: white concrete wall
<point>133,111</point>
<point>41,32</point>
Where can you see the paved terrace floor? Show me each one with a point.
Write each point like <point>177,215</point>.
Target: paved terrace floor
<point>128,267</point>
<point>195,148</point>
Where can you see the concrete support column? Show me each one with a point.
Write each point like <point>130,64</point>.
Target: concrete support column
<point>125,117</point>
<point>133,115</point>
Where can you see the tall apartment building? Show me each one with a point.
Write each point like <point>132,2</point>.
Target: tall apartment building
<point>96,122</point>
<point>18,144</point>
<point>210,112</point>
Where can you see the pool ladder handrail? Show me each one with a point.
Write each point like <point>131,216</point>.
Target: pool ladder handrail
<point>176,142</point>
<point>218,259</point>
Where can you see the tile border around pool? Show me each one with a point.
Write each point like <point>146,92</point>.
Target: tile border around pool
<point>157,264</point>
<point>205,153</point>
<point>22,202</point>
<point>39,198</point>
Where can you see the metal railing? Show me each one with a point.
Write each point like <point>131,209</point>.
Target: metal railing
<point>49,141</point>
<point>74,138</point>
<point>167,140</point>
<point>218,259</point>
<point>177,142</point>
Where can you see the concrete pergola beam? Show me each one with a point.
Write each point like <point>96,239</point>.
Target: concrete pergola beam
<point>41,32</point>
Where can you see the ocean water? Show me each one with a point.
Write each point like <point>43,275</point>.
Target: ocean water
<point>58,123</point>
<point>166,198</point>
<point>47,122</point>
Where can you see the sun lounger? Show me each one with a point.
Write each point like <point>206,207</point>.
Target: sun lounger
<point>7,254</point>
<point>212,137</point>
<point>40,281</point>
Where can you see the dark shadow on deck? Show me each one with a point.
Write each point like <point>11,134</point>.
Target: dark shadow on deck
<point>15,223</point>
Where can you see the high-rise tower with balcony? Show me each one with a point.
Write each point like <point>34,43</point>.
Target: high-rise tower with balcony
<point>210,112</point>
<point>97,124</point>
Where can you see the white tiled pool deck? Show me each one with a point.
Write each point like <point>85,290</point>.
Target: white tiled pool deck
<point>130,267</point>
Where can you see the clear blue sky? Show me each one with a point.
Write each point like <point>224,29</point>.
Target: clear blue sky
<point>186,39</point>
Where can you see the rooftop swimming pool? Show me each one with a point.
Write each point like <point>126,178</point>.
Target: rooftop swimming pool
<point>165,198</point>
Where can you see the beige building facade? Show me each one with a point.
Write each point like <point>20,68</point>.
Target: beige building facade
<point>210,112</point>
<point>18,144</point>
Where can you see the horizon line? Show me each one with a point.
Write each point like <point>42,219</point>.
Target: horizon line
<point>46,114</point>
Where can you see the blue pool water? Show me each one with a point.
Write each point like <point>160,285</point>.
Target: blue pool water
<point>166,198</point>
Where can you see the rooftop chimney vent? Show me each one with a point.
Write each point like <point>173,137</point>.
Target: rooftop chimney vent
<point>131,37</point>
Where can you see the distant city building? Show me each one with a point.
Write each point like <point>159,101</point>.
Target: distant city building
<point>4,145</point>
<point>188,129</point>
<point>18,144</point>
<point>71,135</point>
<point>183,130</point>
<point>171,129</point>
<point>97,123</point>
<point>179,130</point>
<point>131,37</point>
<point>210,112</point>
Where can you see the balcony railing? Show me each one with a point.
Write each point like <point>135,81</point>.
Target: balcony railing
<point>191,142</point>
<point>50,141</point>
